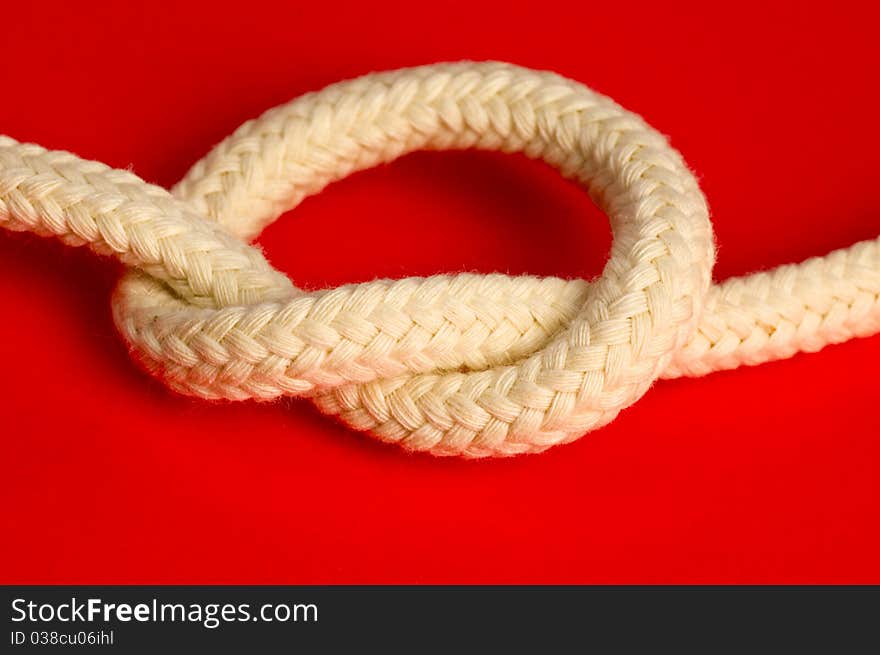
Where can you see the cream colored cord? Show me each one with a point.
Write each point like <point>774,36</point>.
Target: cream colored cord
<point>472,365</point>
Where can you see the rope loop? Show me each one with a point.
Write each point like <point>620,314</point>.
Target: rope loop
<point>472,365</point>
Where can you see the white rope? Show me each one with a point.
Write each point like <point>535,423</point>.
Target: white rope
<point>452,364</point>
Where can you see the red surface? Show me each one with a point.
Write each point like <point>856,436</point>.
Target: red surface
<point>767,474</point>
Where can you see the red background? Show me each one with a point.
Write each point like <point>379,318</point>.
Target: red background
<point>767,474</point>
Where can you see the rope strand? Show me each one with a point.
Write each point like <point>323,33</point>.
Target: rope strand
<point>463,364</point>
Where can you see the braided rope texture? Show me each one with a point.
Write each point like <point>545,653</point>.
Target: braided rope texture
<point>469,365</point>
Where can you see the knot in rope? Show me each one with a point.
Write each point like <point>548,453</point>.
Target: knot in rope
<point>472,365</point>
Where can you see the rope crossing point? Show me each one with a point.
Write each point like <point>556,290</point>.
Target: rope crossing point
<point>472,365</point>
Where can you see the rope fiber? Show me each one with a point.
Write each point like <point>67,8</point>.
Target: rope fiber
<point>470,365</point>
